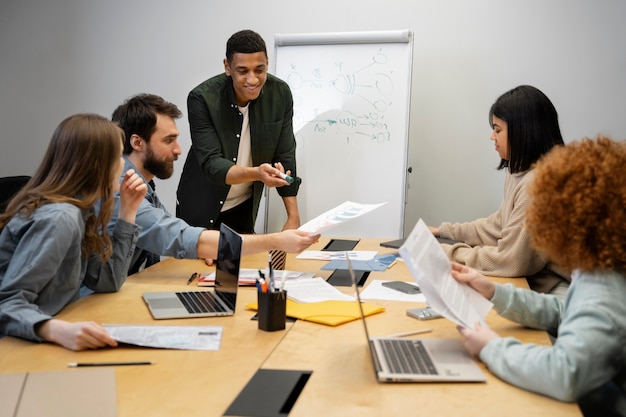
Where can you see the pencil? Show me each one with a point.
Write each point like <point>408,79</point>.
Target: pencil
<point>411,333</point>
<point>77,364</point>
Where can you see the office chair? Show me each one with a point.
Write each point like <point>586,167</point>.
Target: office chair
<point>9,186</point>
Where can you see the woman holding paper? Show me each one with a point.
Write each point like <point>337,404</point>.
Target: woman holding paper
<point>576,216</point>
<point>52,239</point>
<point>525,127</point>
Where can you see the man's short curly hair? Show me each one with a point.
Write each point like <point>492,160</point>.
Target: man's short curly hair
<point>244,42</point>
<point>577,214</point>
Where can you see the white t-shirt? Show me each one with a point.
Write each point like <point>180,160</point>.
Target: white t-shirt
<point>241,192</point>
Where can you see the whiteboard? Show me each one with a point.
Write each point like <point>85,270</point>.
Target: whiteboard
<point>351,96</point>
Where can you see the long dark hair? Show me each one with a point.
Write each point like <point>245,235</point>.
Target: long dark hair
<point>78,168</point>
<point>532,126</point>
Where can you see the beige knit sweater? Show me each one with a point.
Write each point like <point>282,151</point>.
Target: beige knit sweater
<point>499,245</point>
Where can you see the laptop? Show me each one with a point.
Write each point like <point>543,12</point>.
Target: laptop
<point>418,360</point>
<point>219,301</point>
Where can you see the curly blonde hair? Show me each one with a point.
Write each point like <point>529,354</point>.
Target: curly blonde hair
<point>577,214</point>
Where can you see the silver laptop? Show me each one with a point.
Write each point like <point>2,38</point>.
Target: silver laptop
<point>219,301</point>
<point>418,360</point>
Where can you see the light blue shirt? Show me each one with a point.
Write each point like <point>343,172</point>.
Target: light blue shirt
<point>588,358</point>
<point>161,233</point>
<point>41,267</point>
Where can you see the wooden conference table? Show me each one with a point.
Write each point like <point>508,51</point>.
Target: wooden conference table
<point>204,383</point>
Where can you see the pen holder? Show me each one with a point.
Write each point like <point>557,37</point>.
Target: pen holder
<point>271,313</point>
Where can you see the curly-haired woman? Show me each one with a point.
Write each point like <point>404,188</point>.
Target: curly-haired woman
<point>576,216</point>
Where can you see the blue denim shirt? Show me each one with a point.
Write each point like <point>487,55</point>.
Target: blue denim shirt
<point>161,233</point>
<point>588,358</point>
<point>41,267</point>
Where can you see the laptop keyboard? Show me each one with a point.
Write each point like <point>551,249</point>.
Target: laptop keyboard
<point>407,356</point>
<point>199,301</point>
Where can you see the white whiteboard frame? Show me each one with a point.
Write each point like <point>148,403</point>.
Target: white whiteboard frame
<point>340,38</point>
<point>343,38</point>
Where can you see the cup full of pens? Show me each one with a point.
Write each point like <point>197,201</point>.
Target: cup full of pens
<point>272,301</point>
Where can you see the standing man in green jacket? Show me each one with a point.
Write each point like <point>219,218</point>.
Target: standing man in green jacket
<point>242,139</point>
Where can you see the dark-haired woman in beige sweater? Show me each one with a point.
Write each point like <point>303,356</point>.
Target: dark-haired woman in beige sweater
<point>525,127</point>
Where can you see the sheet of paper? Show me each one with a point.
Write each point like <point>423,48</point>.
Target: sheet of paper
<point>342,213</point>
<point>323,255</point>
<point>313,290</point>
<point>431,269</point>
<point>249,276</point>
<point>168,337</point>
<point>377,263</point>
<point>376,291</point>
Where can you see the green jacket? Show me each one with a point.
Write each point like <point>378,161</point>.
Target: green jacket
<point>215,124</point>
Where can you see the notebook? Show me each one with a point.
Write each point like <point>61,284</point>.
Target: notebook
<point>219,301</point>
<point>419,360</point>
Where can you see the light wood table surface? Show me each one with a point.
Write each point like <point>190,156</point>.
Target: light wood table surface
<point>204,383</point>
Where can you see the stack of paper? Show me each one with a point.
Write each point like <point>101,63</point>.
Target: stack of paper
<point>250,276</point>
<point>313,290</point>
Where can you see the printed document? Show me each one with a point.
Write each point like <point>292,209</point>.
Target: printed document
<point>313,290</point>
<point>431,269</point>
<point>167,337</point>
<point>333,217</point>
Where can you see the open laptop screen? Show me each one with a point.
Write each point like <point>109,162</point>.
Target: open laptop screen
<point>228,264</point>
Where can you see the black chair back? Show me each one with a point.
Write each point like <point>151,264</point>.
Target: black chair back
<point>9,186</point>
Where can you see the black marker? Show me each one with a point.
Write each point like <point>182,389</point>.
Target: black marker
<point>192,277</point>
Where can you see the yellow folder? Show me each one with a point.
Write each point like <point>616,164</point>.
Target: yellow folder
<point>331,313</point>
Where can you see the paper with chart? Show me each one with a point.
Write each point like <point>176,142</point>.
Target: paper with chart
<point>431,269</point>
<point>342,213</point>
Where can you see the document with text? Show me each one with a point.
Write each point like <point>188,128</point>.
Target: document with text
<point>431,269</point>
<point>333,217</point>
<point>167,337</point>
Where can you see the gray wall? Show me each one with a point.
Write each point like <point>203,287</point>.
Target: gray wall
<point>61,57</point>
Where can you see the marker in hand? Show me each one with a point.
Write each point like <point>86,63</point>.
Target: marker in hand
<point>286,177</point>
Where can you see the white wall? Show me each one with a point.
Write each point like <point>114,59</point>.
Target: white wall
<point>61,57</point>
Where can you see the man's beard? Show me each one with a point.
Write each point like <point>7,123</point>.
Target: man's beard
<point>161,169</point>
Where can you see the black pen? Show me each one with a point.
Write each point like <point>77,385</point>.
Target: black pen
<point>192,277</point>
<point>77,364</point>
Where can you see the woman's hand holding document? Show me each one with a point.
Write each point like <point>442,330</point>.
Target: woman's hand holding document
<point>431,269</point>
